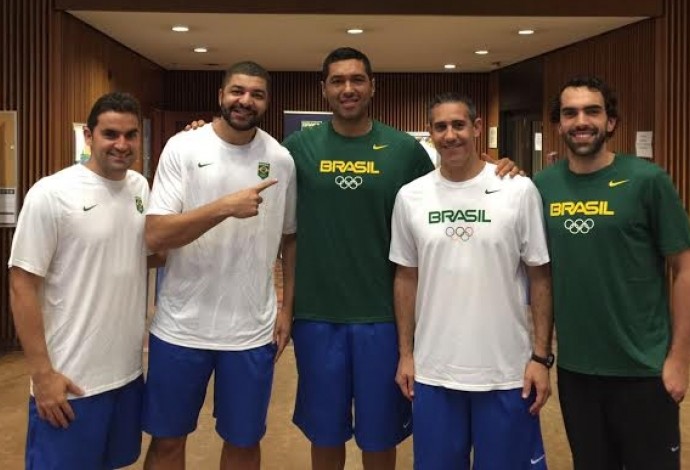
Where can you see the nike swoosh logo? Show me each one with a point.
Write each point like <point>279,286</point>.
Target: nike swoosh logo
<point>486,191</point>
<point>379,147</point>
<point>613,184</point>
<point>201,165</point>
<point>675,448</point>
<point>89,207</point>
<point>536,461</point>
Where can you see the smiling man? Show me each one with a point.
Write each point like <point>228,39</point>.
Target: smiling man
<point>222,198</point>
<point>465,243</point>
<point>78,296</point>
<point>613,222</point>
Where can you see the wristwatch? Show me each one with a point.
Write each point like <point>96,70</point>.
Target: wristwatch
<point>545,361</point>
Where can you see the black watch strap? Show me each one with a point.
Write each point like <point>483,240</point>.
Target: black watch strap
<point>545,361</point>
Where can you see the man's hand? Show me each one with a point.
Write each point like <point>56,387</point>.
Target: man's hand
<point>675,378</point>
<point>537,376</point>
<point>194,125</point>
<point>245,203</point>
<point>504,166</point>
<point>281,332</point>
<point>50,392</point>
<point>404,377</point>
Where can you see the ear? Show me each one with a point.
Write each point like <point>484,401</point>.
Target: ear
<point>88,136</point>
<point>220,97</point>
<point>611,124</point>
<point>477,125</point>
<point>323,89</point>
<point>373,86</point>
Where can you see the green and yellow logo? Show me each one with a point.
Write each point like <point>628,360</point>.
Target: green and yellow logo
<point>139,203</point>
<point>559,209</point>
<point>340,166</point>
<point>467,215</point>
<point>263,170</point>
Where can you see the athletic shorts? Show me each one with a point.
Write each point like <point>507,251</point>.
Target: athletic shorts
<point>105,433</point>
<point>495,424</point>
<point>338,364</point>
<point>613,422</point>
<point>176,387</point>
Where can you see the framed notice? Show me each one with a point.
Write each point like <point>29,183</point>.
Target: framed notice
<point>8,168</point>
<point>82,152</point>
<point>297,120</point>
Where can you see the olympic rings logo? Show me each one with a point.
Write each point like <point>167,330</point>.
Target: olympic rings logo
<point>349,182</point>
<point>459,233</point>
<point>576,226</point>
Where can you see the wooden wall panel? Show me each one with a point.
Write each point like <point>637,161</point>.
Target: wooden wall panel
<point>53,68</point>
<point>400,99</point>
<point>25,87</point>
<point>624,58</point>
<point>91,65</point>
<point>672,116</point>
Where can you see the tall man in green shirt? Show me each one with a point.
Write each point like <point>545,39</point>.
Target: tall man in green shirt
<point>612,222</point>
<point>348,174</point>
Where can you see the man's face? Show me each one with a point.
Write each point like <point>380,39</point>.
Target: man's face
<point>584,123</point>
<point>453,133</point>
<point>114,143</point>
<point>243,101</point>
<point>348,89</point>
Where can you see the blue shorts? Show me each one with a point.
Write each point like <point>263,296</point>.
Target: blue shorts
<point>339,363</point>
<point>176,388</point>
<point>496,424</point>
<point>105,433</point>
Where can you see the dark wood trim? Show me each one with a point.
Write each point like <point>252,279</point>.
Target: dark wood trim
<point>624,8</point>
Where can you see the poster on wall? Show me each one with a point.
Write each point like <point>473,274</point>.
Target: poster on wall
<point>8,168</point>
<point>425,140</point>
<point>297,120</point>
<point>82,152</point>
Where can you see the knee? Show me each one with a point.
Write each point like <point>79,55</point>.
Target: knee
<point>168,445</point>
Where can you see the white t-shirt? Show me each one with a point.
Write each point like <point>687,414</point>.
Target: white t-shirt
<point>84,235</point>
<point>218,291</point>
<point>469,241</point>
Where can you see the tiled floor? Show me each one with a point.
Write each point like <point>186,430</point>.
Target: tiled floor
<point>284,447</point>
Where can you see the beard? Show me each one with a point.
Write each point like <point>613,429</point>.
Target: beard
<point>588,149</point>
<point>251,122</point>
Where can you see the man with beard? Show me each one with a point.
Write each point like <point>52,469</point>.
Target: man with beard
<point>221,199</point>
<point>613,221</point>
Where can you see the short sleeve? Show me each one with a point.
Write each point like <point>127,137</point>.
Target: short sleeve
<point>403,250</point>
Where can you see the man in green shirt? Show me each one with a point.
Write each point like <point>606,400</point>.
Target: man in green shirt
<point>612,222</point>
<point>349,171</point>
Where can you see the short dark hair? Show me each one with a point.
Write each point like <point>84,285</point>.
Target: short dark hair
<point>117,101</point>
<point>592,83</point>
<point>246,67</point>
<point>345,53</point>
<point>453,97</point>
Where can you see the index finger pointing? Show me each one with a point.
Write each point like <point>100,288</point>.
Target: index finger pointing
<point>265,184</point>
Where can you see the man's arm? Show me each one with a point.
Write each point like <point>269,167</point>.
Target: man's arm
<point>165,232</point>
<point>50,387</point>
<point>537,375</point>
<point>404,296</point>
<point>675,371</point>
<point>281,332</point>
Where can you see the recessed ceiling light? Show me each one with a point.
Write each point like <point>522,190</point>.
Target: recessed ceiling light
<point>526,32</point>
<point>449,66</point>
<point>200,49</point>
<point>481,52</point>
<point>355,31</point>
<point>180,28</point>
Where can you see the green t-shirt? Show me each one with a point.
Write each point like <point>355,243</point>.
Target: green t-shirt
<point>609,233</point>
<point>346,188</point>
